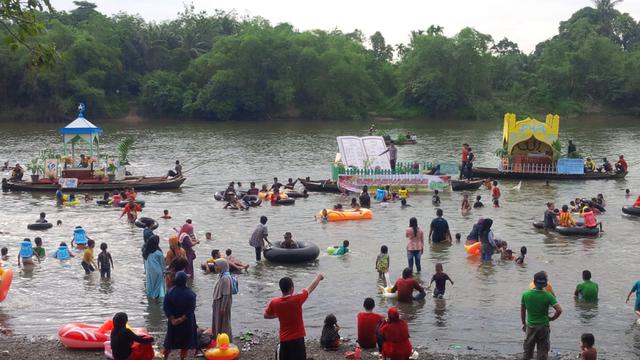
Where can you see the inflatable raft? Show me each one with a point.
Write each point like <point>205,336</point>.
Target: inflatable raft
<point>630,210</point>
<point>362,214</point>
<point>40,226</point>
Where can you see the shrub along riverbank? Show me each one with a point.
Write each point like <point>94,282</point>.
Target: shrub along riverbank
<point>220,66</point>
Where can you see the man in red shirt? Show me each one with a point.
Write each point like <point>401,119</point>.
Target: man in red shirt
<point>368,322</point>
<point>621,165</point>
<point>406,285</point>
<point>288,310</point>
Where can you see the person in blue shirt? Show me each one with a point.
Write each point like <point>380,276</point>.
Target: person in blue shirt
<point>439,230</point>
<point>341,250</point>
<point>59,196</point>
<point>636,289</point>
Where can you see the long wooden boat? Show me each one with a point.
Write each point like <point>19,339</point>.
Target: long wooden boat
<point>140,183</point>
<point>495,173</point>
<point>462,185</point>
<point>327,186</point>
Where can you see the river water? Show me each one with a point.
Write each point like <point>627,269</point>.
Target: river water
<point>480,311</point>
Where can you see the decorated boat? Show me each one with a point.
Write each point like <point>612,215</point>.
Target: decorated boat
<point>531,150</point>
<point>327,186</point>
<point>91,172</point>
<point>465,185</point>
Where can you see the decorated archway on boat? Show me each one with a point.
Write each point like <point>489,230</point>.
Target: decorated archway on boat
<point>81,130</point>
<point>530,142</point>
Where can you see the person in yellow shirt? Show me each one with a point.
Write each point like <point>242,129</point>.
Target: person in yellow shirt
<point>88,263</point>
<point>403,193</point>
<point>589,165</point>
<point>565,218</point>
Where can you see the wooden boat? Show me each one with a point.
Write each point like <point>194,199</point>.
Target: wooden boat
<point>495,173</point>
<point>140,183</point>
<point>327,186</point>
<point>462,185</point>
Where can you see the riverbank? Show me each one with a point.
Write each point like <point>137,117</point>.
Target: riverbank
<point>263,347</point>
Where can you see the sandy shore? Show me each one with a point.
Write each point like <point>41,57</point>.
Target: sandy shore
<point>261,346</point>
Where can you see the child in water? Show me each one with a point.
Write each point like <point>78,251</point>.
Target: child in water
<point>80,238</point>
<point>105,262</point>
<point>25,256</point>
<point>458,237</point>
<point>207,236</point>
<point>341,250</point>
<point>627,193</point>
<point>440,278</point>
<point>42,219</point>
<point>478,204</point>
<point>325,216</point>
<point>88,264</point>
<point>523,252</point>
<point>165,215</point>
<point>63,252</point>
<point>330,338</point>
<point>465,207</point>
<point>435,199</point>
<point>565,218</point>
<point>383,261</point>
<point>234,263</point>
<point>587,351</point>
<point>495,191</point>
<point>38,250</point>
<point>4,252</point>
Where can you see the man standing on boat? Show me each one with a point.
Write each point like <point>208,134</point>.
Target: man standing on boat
<point>571,148</point>
<point>465,158</point>
<point>393,154</point>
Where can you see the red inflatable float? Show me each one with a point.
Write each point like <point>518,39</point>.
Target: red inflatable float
<point>83,336</point>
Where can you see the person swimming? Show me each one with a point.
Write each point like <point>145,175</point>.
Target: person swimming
<point>478,204</point>
<point>523,253</point>
<point>435,199</point>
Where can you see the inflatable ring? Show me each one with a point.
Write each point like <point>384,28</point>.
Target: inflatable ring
<point>386,292</point>
<point>305,252</point>
<point>285,201</point>
<point>267,196</point>
<point>103,202</point>
<point>146,221</point>
<point>538,224</point>
<point>40,226</point>
<point>224,349</point>
<point>331,250</point>
<point>473,249</point>
<point>362,214</point>
<point>218,195</point>
<point>6,275</point>
<point>83,336</point>
<point>75,201</point>
<point>252,200</point>
<point>296,194</point>
<point>125,202</point>
<point>630,210</point>
<point>577,230</point>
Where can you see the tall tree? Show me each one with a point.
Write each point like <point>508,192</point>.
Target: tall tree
<point>20,21</point>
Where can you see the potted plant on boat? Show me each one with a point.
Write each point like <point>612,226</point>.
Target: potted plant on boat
<point>111,171</point>
<point>36,169</point>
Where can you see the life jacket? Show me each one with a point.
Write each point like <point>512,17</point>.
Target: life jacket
<point>637,203</point>
<point>403,193</point>
<point>380,194</point>
<point>63,253</point>
<point>590,219</point>
<point>26,249</point>
<point>79,236</point>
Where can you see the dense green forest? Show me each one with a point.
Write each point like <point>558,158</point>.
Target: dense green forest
<point>221,66</point>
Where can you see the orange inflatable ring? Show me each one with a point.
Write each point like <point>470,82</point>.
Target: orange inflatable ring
<point>362,214</point>
<point>473,249</point>
<point>6,276</point>
<point>267,196</point>
<point>224,349</point>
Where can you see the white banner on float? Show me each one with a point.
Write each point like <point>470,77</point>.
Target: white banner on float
<point>364,152</point>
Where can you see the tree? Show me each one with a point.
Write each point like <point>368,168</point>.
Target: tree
<point>20,21</point>
<point>381,51</point>
<point>505,47</point>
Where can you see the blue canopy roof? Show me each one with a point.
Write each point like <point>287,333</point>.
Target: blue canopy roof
<point>81,126</point>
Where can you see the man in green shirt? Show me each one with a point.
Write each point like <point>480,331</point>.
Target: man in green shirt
<point>534,313</point>
<point>587,290</point>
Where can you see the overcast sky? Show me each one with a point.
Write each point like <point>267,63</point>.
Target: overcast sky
<point>526,22</point>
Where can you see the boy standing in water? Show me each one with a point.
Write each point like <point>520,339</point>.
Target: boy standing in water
<point>88,264</point>
<point>587,290</point>
<point>105,262</point>
<point>440,278</point>
<point>495,191</point>
<point>38,250</point>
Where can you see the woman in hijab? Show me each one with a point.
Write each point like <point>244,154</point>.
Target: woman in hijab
<point>488,244</point>
<point>395,335</point>
<point>179,307</point>
<point>176,260</point>
<point>222,298</point>
<point>122,339</point>
<point>154,266</point>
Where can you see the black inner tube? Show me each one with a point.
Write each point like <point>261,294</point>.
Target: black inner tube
<point>123,203</point>
<point>146,221</point>
<point>305,252</point>
<point>40,226</point>
<point>630,210</point>
<point>287,201</point>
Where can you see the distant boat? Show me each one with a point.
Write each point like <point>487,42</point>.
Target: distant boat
<point>140,183</point>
